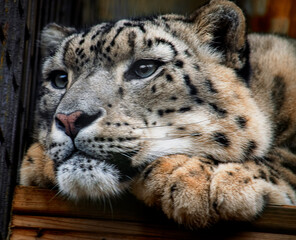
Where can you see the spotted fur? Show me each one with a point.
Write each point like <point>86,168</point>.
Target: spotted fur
<point>190,113</point>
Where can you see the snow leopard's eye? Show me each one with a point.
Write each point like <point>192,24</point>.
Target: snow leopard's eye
<point>59,79</point>
<point>143,68</point>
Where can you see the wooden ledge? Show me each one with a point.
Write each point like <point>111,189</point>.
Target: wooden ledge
<point>41,214</point>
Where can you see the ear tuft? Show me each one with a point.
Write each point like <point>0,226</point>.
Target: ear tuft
<point>221,24</point>
<point>52,36</point>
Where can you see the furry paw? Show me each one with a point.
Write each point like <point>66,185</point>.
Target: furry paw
<point>180,186</point>
<point>37,169</point>
<point>240,191</point>
<point>235,195</point>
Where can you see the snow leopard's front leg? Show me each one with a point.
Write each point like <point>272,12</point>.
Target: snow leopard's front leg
<point>199,192</point>
<point>37,168</point>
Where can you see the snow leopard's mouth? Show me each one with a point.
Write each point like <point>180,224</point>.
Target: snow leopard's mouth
<point>83,176</point>
<point>121,163</point>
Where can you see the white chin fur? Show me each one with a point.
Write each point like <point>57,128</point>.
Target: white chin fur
<point>84,177</point>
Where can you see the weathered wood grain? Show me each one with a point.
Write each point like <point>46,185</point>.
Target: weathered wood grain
<point>33,234</point>
<point>31,200</point>
<point>41,212</point>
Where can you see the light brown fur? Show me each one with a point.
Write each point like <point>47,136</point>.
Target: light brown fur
<point>42,173</point>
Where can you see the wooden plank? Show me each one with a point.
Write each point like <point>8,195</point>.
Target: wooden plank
<point>31,200</point>
<point>33,234</point>
<point>40,211</point>
<point>86,227</point>
<point>277,219</point>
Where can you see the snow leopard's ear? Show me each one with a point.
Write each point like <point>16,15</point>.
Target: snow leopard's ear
<point>52,36</point>
<point>222,25</point>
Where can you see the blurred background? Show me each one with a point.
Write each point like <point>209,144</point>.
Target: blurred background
<point>263,15</point>
<point>21,22</point>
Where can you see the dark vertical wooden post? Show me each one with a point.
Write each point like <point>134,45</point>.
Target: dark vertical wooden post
<point>13,37</point>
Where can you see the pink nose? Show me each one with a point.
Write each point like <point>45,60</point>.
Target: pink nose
<point>67,123</point>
